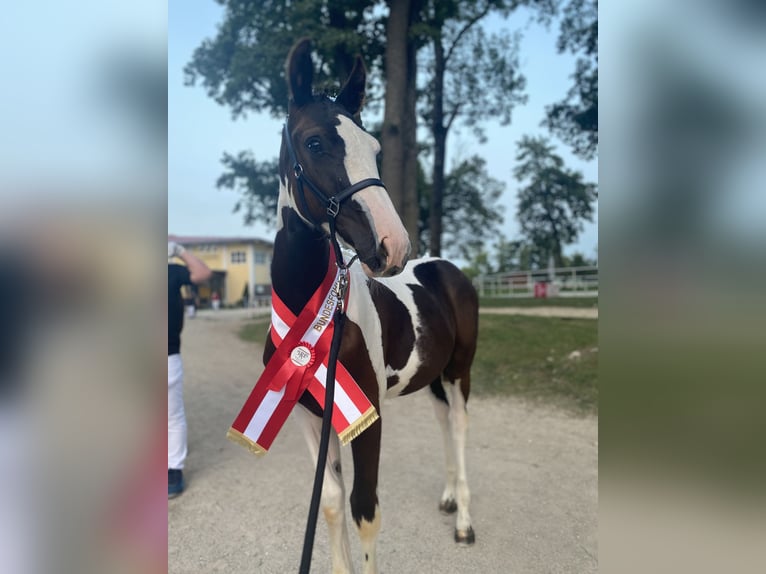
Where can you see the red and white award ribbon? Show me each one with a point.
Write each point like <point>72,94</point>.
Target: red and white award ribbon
<point>299,364</point>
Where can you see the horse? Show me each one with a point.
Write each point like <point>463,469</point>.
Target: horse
<point>410,324</point>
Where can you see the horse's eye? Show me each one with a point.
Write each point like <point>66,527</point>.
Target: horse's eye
<point>314,144</point>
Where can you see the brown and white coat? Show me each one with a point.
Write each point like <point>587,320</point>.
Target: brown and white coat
<point>410,324</point>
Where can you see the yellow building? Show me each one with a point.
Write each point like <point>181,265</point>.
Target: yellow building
<point>241,268</point>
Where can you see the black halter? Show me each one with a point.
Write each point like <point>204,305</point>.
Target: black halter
<point>332,203</point>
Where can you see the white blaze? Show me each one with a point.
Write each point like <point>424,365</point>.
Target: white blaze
<point>361,151</point>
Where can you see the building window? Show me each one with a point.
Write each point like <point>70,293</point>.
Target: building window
<point>238,257</point>
<point>260,258</point>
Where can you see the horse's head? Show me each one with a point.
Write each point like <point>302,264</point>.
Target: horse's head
<point>327,166</point>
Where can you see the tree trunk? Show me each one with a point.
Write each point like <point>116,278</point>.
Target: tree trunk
<point>555,241</point>
<point>398,137</point>
<point>411,207</point>
<point>439,133</point>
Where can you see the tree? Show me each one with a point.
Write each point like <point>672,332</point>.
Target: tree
<point>472,210</point>
<point>575,118</point>
<point>473,77</point>
<point>516,255</point>
<point>399,162</point>
<point>479,265</point>
<point>242,67</point>
<point>578,259</point>
<point>554,201</point>
<point>508,255</point>
<point>257,184</point>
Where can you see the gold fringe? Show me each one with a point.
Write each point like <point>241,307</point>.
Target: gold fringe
<point>235,436</point>
<point>358,427</point>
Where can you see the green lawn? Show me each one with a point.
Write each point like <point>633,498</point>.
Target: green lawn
<point>255,331</point>
<point>528,357</point>
<point>525,357</point>
<point>589,302</point>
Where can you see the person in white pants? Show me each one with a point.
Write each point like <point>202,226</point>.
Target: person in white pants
<point>195,271</point>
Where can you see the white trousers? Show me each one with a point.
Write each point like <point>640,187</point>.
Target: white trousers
<point>176,414</point>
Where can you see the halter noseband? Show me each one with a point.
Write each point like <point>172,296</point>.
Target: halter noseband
<point>332,203</point>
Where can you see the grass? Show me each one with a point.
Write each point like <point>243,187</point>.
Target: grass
<point>255,331</point>
<point>587,302</point>
<point>525,357</point>
<point>528,357</point>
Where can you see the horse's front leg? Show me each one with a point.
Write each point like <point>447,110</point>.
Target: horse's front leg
<point>333,492</point>
<point>364,495</point>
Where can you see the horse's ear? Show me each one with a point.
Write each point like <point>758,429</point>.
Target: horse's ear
<point>300,72</point>
<point>351,94</point>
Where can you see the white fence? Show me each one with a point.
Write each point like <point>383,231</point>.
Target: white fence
<point>559,282</point>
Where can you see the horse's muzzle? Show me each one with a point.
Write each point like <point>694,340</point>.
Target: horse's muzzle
<point>387,261</point>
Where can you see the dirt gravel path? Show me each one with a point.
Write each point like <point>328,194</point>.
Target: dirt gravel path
<point>532,472</point>
<point>560,312</point>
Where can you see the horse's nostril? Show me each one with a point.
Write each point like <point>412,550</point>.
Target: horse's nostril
<point>378,263</point>
<point>383,252</point>
<point>375,263</point>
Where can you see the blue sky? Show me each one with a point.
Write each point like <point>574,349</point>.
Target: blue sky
<point>200,131</point>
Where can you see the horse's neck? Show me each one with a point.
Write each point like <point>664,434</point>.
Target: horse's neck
<point>301,256</point>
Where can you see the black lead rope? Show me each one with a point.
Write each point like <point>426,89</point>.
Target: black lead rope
<point>339,318</point>
<point>324,442</point>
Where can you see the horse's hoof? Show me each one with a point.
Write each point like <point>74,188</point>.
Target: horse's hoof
<point>466,537</point>
<point>448,506</point>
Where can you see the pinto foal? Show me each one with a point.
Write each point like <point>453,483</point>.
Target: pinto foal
<point>410,325</point>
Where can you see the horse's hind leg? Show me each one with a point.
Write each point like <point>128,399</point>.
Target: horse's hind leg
<point>333,492</point>
<point>456,492</point>
<point>463,529</point>
<point>447,503</point>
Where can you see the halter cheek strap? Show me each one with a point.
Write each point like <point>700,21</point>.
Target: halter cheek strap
<point>331,203</point>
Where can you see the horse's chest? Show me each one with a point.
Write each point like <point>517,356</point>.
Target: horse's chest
<point>408,335</point>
